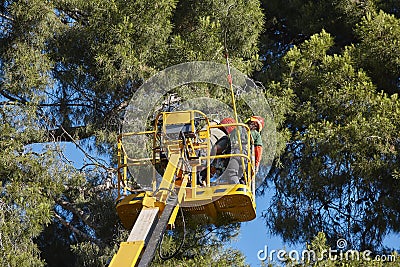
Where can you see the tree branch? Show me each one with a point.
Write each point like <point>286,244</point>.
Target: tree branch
<point>68,105</point>
<point>6,17</point>
<point>69,134</point>
<point>78,212</point>
<point>77,231</point>
<point>13,98</point>
<point>103,187</point>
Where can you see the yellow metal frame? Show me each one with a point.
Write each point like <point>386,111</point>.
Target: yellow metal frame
<point>173,146</point>
<point>128,254</point>
<point>174,149</point>
<point>123,164</point>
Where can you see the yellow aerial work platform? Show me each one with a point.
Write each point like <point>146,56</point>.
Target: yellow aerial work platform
<point>179,149</point>
<point>226,204</point>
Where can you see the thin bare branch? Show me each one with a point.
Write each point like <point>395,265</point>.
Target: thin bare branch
<point>4,16</point>
<point>78,212</point>
<point>77,231</point>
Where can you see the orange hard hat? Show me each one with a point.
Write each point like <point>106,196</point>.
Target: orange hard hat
<point>228,129</point>
<point>259,120</point>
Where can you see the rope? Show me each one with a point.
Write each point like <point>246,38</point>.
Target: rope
<point>170,256</point>
<point>234,108</point>
<point>180,244</point>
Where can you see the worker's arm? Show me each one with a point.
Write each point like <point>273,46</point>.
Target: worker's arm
<point>257,155</point>
<point>258,149</point>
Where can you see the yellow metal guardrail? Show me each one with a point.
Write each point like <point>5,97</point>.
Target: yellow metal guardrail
<point>200,141</point>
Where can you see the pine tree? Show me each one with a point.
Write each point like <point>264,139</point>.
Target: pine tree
<point>339,172</point>
<point>68,71</point>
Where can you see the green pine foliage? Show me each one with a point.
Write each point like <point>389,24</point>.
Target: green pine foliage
<point>378,50</point>
<point>202,247</point>
<point>29,181</point>
<point>67,72</point>
<point>69,68</point>
<point>343,148</point>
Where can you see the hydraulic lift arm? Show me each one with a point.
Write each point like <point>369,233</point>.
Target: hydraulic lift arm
<point>148,229</point>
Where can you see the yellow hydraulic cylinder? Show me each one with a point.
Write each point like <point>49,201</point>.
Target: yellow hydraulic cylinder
<point>181,195</point>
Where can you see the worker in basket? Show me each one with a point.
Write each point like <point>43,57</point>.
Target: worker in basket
<point>232,167</point>
<point>216,133</point>
<point>256,124</point>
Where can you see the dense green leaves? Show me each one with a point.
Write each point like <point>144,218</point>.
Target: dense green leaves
<point>68,69</point>
<point>340,168</point>
<point>378,52</point>
<point>204,29</point>
<point>26,194</point>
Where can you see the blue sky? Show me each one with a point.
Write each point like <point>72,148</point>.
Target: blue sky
<point>254,235</point>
